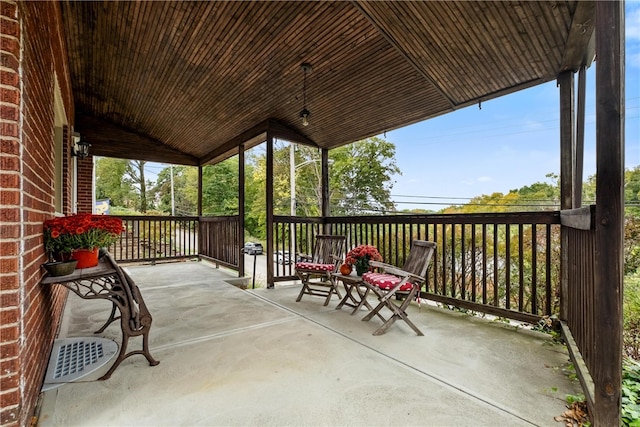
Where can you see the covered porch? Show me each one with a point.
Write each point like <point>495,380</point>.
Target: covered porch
<point>239,357</point>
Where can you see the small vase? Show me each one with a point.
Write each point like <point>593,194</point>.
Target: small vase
<point>86,257</point>
<point>361,268</point>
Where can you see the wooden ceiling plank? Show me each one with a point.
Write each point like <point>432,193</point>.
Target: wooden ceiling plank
<point>369,10</point>
<point>446,68</point>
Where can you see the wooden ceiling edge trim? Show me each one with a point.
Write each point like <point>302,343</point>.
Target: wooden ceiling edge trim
<point>581,34</point>
<point>503,92</point>
<point>230,147</point>
<point>252,137</point>
<point>402,53</point>
<point>280,130</point>
<point>117,142</point>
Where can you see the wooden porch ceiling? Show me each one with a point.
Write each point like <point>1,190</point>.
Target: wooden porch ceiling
<point>186,82</point>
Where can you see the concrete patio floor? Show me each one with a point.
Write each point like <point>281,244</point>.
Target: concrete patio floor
<point>256,357</point>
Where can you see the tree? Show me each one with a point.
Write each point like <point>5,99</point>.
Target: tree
<point>184,190</point>
<point>110,182</point>
<point>360,177</point>
<point>135,177</point>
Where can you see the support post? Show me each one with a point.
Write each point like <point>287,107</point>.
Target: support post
<point>578,166</point>
<point>269,197</point>
<point>326,207</point>
<point>241,212</point>
<point>609,211</point>
<point>200,226</point>
<point>565,81</point>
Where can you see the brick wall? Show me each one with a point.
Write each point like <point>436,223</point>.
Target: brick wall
<point>32,52</point>
<point>85,185</point>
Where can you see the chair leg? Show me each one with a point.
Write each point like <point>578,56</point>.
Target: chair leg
<point>305,287</point>
<point>399,312</point>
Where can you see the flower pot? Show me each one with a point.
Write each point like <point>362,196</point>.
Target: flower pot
<point>86,257</point>
<point>60,268</point>
<point>362,267</point>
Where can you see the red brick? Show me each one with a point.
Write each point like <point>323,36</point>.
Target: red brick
<point>10,96</point>
<point>10,198</point>
<point>9,180</point>
<point>9,215</point>
<point>9,146</point>
<point>9,112</point>
<point>9,163</point>
<point>9,350</point>
<point>10,78</point>
<point>10,45</point>
<point>10,28</point>
<point>8,60</point>
<point>8,366</point>
<point>9,282</point>
<point>9,382</point>
<point>9,416</point>
<point>8,9</point>
<point>9,249</point>
<point>9,299</point>
<point>9,316</point>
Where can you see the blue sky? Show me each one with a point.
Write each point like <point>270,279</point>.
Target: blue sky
<point>511,142</point>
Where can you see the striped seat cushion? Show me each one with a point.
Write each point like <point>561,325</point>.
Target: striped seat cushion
<point>314,266</point>
<point>385,281</point>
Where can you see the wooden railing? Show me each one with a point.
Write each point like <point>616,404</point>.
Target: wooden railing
<point>503,264</point>
<point>219,237</point>
<point>580,325</point>
<point>155,238</point>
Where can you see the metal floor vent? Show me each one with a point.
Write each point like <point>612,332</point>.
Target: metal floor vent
<point>74,358</point>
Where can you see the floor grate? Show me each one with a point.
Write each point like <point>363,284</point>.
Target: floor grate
<point>74,358</point>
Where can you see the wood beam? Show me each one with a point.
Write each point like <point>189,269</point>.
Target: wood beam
<point>255,136</point>
<point>609,262</point>
<point>578,166</point>
<point>326,207</point>
<point>580,34</point>
<point>269,194</point>
<point>241,212</point>
<point>567,140</point>
<point>110,140</point>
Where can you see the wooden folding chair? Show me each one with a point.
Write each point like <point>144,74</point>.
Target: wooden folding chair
<point>391,281</point>
<point>315,271</point>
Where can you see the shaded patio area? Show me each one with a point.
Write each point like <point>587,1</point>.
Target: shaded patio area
<point>235,357</point>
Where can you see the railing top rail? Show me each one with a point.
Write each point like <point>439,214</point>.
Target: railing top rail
<point>157,217</point>
<point>211,218</point>
<point>541,217</point>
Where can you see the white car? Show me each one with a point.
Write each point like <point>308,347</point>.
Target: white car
<point>282,257</point>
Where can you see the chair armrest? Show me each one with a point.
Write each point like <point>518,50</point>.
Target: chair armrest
<point>305,256</point>
<point>388,268</point>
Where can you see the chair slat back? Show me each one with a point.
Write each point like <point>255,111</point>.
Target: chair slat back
<point>419,257</point>
<point>326,246</point>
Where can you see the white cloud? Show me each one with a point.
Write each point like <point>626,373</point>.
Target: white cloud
<point>632,23</point>
<point>485,179</point>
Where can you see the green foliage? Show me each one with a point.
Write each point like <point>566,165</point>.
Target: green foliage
<point>185,184</point>
<point>630,393</point>
<point>123,182</point>
<point>360,177</point>
<point>631,310</point>
<point>110,183</point>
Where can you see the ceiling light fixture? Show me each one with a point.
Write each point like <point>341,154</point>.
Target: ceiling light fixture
<point>306,68</point>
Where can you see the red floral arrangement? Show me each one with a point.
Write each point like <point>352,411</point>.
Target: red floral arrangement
<point>360,257</point>
<point>63,235</point>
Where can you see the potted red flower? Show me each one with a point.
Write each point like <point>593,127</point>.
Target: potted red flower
<point>73,235</point>
<point>360,256</point>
